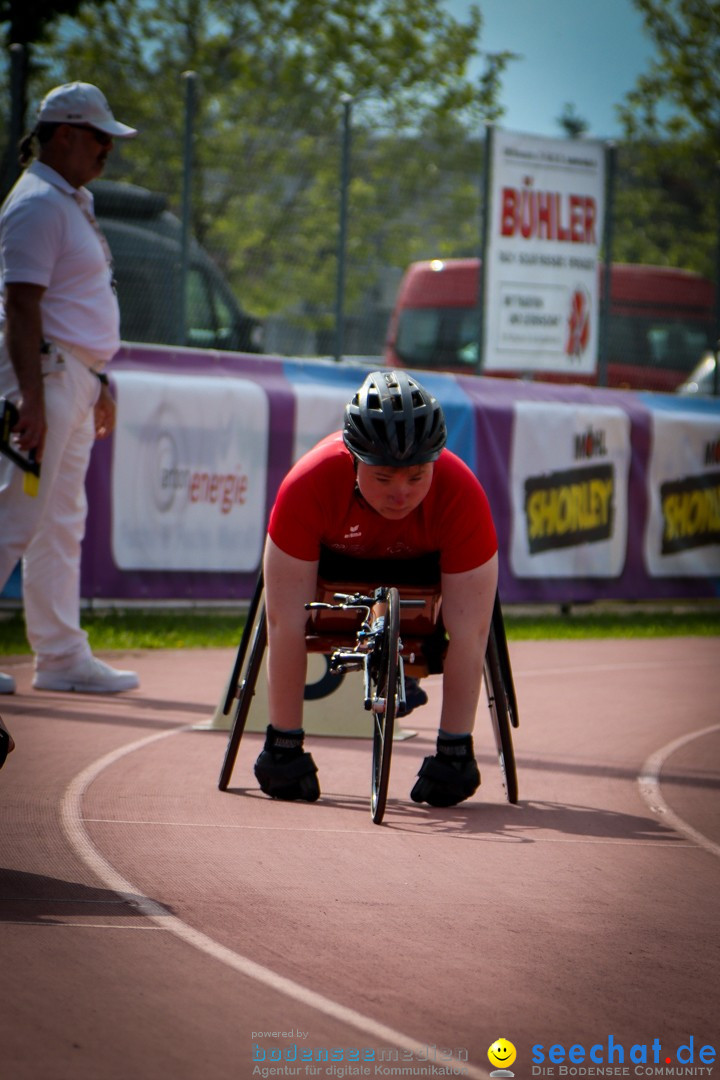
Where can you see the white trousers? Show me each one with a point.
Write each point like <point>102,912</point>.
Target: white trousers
<point>46,530</point>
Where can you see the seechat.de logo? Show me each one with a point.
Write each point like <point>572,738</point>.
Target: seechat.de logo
<point>642,1059</point>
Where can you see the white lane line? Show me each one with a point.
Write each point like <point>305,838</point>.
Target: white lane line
<point>73,825</point>
<point>520,835</point>
<point>640,665</point>
<point>228,825</point>
<point>649,783</point>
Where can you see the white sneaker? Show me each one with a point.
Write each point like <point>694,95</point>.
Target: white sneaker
<point>90,676</point>
<point>7,684</point>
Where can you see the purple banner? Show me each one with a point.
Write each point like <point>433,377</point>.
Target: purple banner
<point>567,470</point>
<point>495,402</point>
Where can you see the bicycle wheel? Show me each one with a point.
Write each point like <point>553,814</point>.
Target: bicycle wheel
<point>499,715</point>
<point>245,695</point>
<point>498,624</point>
<point>385,690</point>
<point>244,642</point>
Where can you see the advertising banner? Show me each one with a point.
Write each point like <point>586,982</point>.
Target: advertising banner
<point>188,472</point>
<point>320,401</point>
<point>596,494</point>
<point>682,535</point>
<point>569,479</point>
<point>545,227</point>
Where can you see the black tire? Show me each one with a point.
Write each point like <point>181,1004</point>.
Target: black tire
<point>385,686</point>
<point>245,695</point>
<point>499,716</point>
<point>498,625</point>
<point>248,628</point>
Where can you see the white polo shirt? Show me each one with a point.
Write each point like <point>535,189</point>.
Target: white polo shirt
<point>46,239</point>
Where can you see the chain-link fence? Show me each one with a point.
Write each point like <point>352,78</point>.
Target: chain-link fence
<point>313,241</point>
<point>295,243</point>
<point>288,234</point>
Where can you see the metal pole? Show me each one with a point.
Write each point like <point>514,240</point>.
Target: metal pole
<point>604,328</point>
<point>482,262</point>
<point>190,78</point>
<point>716,350</point>
<point>346,100</point>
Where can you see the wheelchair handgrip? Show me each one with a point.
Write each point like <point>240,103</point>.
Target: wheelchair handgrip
<point>346,603</point>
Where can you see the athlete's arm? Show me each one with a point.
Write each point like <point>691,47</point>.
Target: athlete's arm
<point>467,606</point>
<point>289,584</point>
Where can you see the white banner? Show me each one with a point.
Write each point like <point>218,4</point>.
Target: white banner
<point>319,410</point>
<point>682,536</point>
<point>189,472</point>
<point>545,227</point>
<point>569,470</point>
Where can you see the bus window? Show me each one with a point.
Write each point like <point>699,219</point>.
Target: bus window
<point>438,337</point>
<point>418,335</point>
<point>650,343</point>
<point>675,346</point>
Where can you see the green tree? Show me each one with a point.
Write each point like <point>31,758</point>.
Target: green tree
<point>668,175</point>
<point>26,23</point>
<point>572,124</point>
<point>271,75</point>
<point>680,93</point>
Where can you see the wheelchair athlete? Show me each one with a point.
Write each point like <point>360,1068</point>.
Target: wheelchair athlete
<point>384,488</point>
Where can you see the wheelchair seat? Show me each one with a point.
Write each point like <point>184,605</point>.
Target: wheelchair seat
<point>422,632</point>
<point>421,629</point>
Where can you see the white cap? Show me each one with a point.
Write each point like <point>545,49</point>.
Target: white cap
<point>81,103</point>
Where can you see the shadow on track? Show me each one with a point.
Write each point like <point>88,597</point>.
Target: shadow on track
<point>37,898</point>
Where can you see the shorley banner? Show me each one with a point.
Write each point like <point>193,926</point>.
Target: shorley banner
<point>544,230</point>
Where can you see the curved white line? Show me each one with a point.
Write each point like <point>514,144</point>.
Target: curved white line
<point>73,825</point>
<point>649,784</point>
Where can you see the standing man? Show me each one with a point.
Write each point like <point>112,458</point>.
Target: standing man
<point>59,326</point>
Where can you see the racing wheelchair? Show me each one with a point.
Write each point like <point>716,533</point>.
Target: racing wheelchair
<point>387,632</point>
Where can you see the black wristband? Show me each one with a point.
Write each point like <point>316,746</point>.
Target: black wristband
<point>103,378</point>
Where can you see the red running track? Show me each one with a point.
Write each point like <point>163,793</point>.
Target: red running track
<point>154,927</point>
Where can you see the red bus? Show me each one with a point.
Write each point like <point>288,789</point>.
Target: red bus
<point>661,321</point>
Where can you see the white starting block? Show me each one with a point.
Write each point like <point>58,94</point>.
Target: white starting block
<point>333,705</point>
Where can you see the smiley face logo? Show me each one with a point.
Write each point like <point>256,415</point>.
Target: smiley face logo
<point>502,1053</point>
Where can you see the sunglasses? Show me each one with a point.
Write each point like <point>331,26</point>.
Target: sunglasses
<point>100,136</point>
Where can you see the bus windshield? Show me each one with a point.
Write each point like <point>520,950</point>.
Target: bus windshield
<point>440,337</point>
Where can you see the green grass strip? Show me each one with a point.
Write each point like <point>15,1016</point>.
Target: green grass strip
<point>135,629</point>
<point>613,625</point>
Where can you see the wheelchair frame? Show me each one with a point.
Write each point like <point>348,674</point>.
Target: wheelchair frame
<point>379,647</point>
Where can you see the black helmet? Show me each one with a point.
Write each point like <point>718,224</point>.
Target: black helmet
<point>392,420</point>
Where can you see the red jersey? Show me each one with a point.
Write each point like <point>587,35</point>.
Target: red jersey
<point>319,505</point>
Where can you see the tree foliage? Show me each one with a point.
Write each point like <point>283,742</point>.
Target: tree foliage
<point>668,181</point>
<point>27,21</point>
<point>680,93</point>
<point>271,77</point>
<point>573,125</point>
